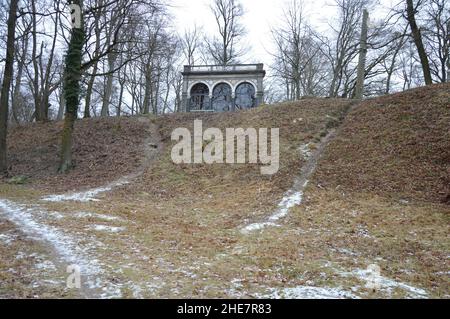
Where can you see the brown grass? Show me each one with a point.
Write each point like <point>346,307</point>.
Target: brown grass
<point>183,221</point>
<point>397,145</point>
<point>104,149</point>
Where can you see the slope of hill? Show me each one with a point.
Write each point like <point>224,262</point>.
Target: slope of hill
<point>171,230</point>
<point>104,149</point>
<point>397,145</point>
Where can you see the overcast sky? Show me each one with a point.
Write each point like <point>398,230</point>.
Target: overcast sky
<point>260,16</point>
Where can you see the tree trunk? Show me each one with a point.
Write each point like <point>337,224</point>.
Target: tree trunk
<point>119,103</point>
<point>448,67</point>
<point>72,90</point>
<point>147,90</point>
<point>34,57</point>
<point>60,115</point>
<point>7,78</point>
<point>87,105</point>
<point>359,90</point>
<point>90,87</point>
<point>47,88</point>
<point>417,36</point>
<point>108,86</point>
<point>18,85</point>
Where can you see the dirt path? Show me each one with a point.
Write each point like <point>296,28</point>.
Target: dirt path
<point>64,246</point>
<point>294,196</point>
<point>152,147</point>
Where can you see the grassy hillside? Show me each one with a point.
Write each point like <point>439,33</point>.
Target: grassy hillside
<point>176,230</point>
<point>104,149</point>
<point>397,145</point>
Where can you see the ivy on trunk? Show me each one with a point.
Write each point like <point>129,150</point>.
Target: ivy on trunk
<point>71,88</point>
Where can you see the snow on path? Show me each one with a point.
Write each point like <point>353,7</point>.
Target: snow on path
<point>294,196</point>
<point>377,282</point>
<point>108,229</point>
<point>309,292</point>
<point>290,200</point>
<point>65,246</point>
<point>305,150</point>
<point>7,239</point>
<point>86,196</point>
<point>152,147</point>
<point>385,284</point>
<point>95,215</point>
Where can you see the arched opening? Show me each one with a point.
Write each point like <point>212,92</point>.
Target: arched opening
<point>221,100</point>
<point>245,96</point>
<point>199,97</point>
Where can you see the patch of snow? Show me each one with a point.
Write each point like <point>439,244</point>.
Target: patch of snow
<point>157,283</point>
<point>7,239</point>
<point>86,196</point>
<point>65,246</point>
<point>52,282</point>
<point>110,229</point>
<point>382,283</point>
<point>236,290</point>
<point>345,251</point>
<point>237,250</point>
<point>290,199</point>
<point>362,231</point>
<point>55,215</point>
<point>305,150</point>
<point>98,216</point>
<point>257,226</point>
<point>310,292</point>
<point>46,265</point>
<point>21,255</point>
<point>187,273</point>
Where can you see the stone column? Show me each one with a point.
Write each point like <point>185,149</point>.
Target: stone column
<point>260,90</point>
<point>185,94</point>
<point>233,102</point>
<point>259,98</point>
<point>184,102</point>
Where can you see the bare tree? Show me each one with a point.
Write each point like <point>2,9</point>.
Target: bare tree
<point>22,44</point>
<point>298,61</point>
<point>97,29</point>
<point>344,48</point>
<point>114,23</point>
<point>191,42</point>
<point>224,49</point>
<point>437,36</point>
<point>417,36</point>
<point>390,63</point>
<point>43,78</point>
<point>177,85</point>
<point>6,82</point>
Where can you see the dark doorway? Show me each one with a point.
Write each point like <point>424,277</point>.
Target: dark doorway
<point>199,97</point>
<point>245,96</point>
<point>221,97</point>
